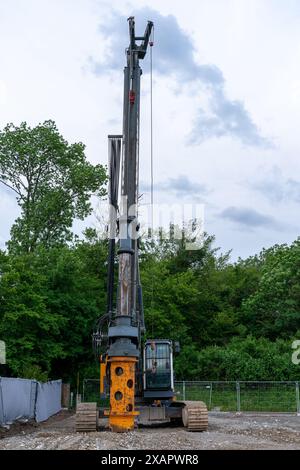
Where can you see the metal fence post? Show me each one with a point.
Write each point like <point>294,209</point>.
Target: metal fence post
<point>265,396</point>
<point>210,396</point>
<point>297,398</point>
<point>238,397</point>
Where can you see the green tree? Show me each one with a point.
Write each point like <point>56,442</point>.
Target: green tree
<point>273,310</point>
<point>241,359</point>
<point>32,334</point>
<point>77,291</point>
<point>52,180</point>
<point>50,300</point>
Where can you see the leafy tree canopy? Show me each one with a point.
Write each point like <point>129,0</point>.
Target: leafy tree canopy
<point>52,180</point>
<point>235,321</point>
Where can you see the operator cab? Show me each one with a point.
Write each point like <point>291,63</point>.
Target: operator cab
<point>158,369</point>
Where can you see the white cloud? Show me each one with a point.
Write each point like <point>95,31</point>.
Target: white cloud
<point>3,92</point>
<point>9,211</point>
<point>44,49</point>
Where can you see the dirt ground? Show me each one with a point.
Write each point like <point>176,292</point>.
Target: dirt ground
<point>226,431</point>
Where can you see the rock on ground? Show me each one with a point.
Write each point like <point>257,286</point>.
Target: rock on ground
<point>225,431</point>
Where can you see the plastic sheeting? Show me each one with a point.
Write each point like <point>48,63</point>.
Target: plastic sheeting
<point>18,399</point>
<point>27,399</point>
<point>48,400</point>
<point>2,420</point>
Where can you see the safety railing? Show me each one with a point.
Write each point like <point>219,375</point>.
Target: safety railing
<point>235,396</point>
<point>242,396</point>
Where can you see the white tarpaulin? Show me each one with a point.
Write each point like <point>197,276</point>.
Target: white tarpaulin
<point>27,399</point>
<point>18,399</point>
<point>1,408</point>
<point>48,400</point>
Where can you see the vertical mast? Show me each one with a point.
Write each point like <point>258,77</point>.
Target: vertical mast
<point>124,335</point>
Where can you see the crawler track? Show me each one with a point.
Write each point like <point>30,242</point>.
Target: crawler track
<point>86,417</point>
<point>195,416</point>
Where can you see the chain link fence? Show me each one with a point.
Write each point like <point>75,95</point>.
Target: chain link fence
<point>243,396</point>
<point>261,397</point>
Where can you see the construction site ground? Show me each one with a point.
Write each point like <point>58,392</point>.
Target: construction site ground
<point>225,431</point>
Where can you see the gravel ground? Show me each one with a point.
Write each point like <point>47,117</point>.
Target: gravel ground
<point>226,431</point>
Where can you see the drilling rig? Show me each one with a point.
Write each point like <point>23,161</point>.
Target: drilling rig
<point>136,375</point>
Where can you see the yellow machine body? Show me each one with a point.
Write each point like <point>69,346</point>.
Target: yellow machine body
<point>102,374</point>
<point>122,386</point>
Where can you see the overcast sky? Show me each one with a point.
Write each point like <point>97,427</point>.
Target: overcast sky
<point>226,101</point>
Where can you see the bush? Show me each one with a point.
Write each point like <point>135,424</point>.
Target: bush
<point>242,359</point>
<point>34,372</point>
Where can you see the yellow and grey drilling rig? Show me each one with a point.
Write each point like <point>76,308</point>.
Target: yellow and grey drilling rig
<point>136,375</point>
